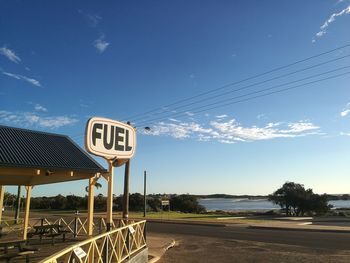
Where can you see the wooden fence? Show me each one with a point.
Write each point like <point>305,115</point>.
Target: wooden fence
<point>117,246</point>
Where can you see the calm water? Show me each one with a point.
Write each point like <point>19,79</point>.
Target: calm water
<point>225,204</point>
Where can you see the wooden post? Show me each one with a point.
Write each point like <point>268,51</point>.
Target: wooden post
<point>90,206</point>
<point>144,193</point>
<point>126,191</point>
<point>26,215</point>
<point>2,192</point>
<point>109,220</point>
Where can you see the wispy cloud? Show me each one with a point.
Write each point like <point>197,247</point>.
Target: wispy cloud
<point>188,113</point>
<point>21,77</point>
<point>32,119</point>
<point>345,133</point>
<point>10,54</point>
<point>231,131</point>
<point>100,44</point>
<point>345,111</point>
<point>92,19</point>
<point>221,116</point>
<point>39,107</point>
<point>330,20</point>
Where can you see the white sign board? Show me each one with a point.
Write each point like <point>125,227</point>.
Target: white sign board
<point>165,202</point>
<point>79,252</point>
<point>110,139</point>
<point>132,230</point>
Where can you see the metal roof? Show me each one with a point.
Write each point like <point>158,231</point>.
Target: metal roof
<point>24,148</point>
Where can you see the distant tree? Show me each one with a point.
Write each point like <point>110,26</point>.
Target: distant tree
<point>186,203</point>
<point>59,202</point>
<point>296,200</point>
<point>136,202</point>
<point>154,203</point>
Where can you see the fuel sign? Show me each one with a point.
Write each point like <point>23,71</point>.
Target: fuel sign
<point>110,139</point>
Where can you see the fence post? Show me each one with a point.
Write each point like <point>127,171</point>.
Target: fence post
<point>128,241</point>
<point>75,230</point>
<point>145,232</point>
<point>105,251</point>
<point>100,226</point>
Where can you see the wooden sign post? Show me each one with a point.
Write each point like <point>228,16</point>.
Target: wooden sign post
<point>116,143</point>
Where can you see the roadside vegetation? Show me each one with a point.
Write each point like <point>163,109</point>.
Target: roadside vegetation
<point>295,200</point>
<point>181,203</point>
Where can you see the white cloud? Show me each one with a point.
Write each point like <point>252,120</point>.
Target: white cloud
<point>231,131</point>
<point>32,119</point>
<point>93,19</point>
<point>345,134</point>
<point>39,107</point>
<point>221,116</point>
<point>331,19</point>
<point>188,113</point>
<point>10,54</point>
<point>100,44</point>
<point>346,110</point>
<point>21,77</point>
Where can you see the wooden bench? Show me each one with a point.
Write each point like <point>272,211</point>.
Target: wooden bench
<point>22,250</point>
<point>51,231</point>
<point>7,257</point>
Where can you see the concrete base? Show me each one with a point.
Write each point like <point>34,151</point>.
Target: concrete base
<point>141,257</point>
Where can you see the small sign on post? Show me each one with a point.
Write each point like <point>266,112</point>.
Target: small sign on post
<point>132,230</point>
<point>165,202</point>
<point>79,252</point>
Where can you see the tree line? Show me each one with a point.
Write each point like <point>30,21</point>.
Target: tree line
<point>183,203</point>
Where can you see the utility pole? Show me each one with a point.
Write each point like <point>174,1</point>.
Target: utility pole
<point>18,204</point>
<point>144,193</point>
<point>126,191</point>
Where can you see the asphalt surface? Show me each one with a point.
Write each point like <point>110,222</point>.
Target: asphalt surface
<point>315,240</point>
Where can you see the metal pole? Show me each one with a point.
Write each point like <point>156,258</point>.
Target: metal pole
<point>144,194</point>
<point>126,191</point>
<point>110,197</point>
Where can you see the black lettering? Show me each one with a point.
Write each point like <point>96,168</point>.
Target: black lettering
<point>108,145</point>
<point>95,134</point>
<point>118,139</point>
<point>127,146</point>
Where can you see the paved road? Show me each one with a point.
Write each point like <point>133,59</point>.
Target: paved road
<point>318,240</point>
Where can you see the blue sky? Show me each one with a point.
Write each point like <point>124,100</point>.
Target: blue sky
<point>63,62</point>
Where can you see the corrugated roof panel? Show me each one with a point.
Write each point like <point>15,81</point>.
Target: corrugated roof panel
<point>27,148</point>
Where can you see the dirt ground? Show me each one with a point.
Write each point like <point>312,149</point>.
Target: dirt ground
<point>198,249</point>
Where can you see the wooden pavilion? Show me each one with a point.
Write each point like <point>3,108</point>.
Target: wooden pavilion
<point>31,158</point>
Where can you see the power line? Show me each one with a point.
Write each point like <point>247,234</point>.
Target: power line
<point>240,81</point>
<point>248,86</point>
<point>195,110</point>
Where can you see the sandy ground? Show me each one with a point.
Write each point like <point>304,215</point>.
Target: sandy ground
<point>199,249</point>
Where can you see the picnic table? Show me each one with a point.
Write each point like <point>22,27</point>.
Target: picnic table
<point>19,247</point>
<point>52,231</point>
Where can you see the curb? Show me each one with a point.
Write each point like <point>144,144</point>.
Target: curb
<point>186,222</point>
<point>156,258</point>
<point>300,229</point>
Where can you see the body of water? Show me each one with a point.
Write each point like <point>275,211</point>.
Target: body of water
<point>244,204</point>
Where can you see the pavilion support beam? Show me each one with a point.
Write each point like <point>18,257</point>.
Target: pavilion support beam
<point>26,215</point>
<point>110,196</point>
<point>91,206</point>
<point>2,192</point>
